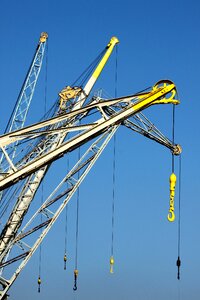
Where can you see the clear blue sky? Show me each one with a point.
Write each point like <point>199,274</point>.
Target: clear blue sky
<point>158,40</point>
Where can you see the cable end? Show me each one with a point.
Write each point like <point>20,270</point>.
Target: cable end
<point>39,283</point>
<point>178,263</point>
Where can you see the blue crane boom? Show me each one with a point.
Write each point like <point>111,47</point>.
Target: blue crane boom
<point>18,116</point>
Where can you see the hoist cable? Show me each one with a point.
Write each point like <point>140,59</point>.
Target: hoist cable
<point>66,225</point>
<point>77,231</point>
<point>42,184</point>
<point>113,197</point>
<point>178,262</point>
<point>46,73</point>
<point>172,178</point>
<point>66,229</point>
<point>173,134</point>
<point>77,216</point>
<point>114,173</point>
<point>179,207</point>
<point>40,247</point>
<point>116,70</point>
<point>87,72</point>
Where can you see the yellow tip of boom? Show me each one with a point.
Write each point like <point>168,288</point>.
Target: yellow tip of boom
<point>109,49</point>
<point>113,41</point>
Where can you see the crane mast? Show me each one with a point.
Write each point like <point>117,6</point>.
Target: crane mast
<point>91,125</point>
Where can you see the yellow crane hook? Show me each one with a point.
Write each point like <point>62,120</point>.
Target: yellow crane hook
<point>172,181</point>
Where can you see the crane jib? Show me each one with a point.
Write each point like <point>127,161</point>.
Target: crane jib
<point>87,135</point>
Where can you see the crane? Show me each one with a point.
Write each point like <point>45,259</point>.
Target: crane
<point>75,124</point>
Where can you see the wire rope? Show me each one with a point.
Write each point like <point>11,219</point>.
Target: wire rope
<point>178,262</point>
<point>66,226</point>
<point>40,247</point>
<point>87,72</point>
<point>77,230</point>
<point>114,174</point>
<point>179,206</point>
<point>113,197</point>
<point>173,134</point>
<point>116,71</point>
<point>42,184</point>
<point>46,79</point>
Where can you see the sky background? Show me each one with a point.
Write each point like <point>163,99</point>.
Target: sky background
<point>158,40</point>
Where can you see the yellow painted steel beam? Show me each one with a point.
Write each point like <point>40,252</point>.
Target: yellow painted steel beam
<point>114,40</point>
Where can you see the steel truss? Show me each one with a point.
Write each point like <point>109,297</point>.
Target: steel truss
<point>99,121</point>
<point>60,197</point>
<point>50,142</point>
<point>20,111</point>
